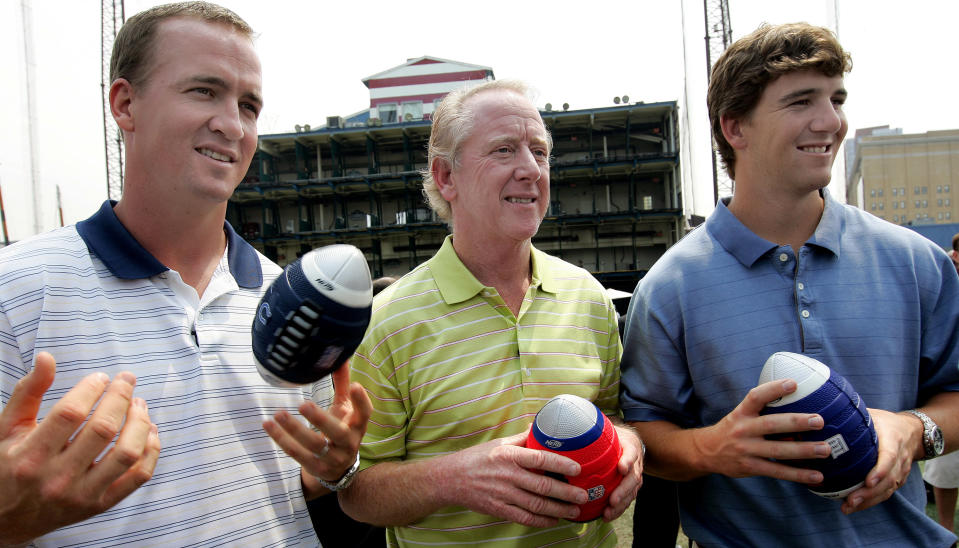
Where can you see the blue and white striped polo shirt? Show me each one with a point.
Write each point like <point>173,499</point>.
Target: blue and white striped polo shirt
<point>93,297</point>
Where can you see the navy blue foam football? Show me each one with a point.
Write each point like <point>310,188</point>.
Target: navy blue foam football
<point>848,429</point>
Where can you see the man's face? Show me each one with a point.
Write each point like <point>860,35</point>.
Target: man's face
<point>501,183</point>
<point>792,136</point>
<point>195,116</point>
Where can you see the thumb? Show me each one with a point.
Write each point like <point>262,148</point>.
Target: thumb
<point>27,395</point>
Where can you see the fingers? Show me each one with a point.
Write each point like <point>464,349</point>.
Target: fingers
<point>66,416</point>
<point>129,450</point>
<point>105,423</point>
<point>531,459</point>
<point>341,385</point>
<point>27,395</point>
<point>758,397</point>
<point>295,438</point>
<point>137,475</point>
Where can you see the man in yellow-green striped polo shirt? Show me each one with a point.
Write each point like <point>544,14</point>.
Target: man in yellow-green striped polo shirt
<point>464,350</point>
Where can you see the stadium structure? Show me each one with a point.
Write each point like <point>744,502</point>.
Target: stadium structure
<point>615,187</point>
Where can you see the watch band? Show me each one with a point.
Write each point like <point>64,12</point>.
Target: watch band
<point>932,441</point>
<point>347,478</point>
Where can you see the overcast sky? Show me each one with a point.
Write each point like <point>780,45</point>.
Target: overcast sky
<point>314,55</point>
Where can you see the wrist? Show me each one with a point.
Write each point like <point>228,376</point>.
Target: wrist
<point>343,481</point>
<point>930,441</point>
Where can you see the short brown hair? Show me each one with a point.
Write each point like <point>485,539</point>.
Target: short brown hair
<point>132,50</point>
<point>452,125</point>
<point>743,71</point>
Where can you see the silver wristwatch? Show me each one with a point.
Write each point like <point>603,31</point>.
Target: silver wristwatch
<point>347,478</point>
<point>931,435</point>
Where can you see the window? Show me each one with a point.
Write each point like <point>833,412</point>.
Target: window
<point>880,192</point>
<point>895,218</point>
<point>895,191</point>
<point>940,216</point>
<point>939,202</point>
<point>647,202</point>
<point>917,204</point>
<point>881,206</point>
<point>902,204</point>
<point>872,192</point>
<point>948,202</point>
<point>902,191</point>
<point>874,206</point>
<point>948,215</point>
<point>945,188</point>
<point>925,203</point>
<point>939,189</point>
<point>388,113</point>
<point>895,205</point>
<point>413,111</point>
<point>925,189</point>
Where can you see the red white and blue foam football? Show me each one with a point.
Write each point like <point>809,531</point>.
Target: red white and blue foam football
<point>848,429</point>
<point>574,427</point>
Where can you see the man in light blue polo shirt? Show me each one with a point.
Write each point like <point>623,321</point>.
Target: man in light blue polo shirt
<point>782,266</point>
<point>157,291</point>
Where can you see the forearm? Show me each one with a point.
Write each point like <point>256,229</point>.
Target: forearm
<point>395,493</point>
<point>671,452</point>
<point>943,409</point>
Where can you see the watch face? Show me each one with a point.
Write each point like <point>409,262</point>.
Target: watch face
<point>938,444</point>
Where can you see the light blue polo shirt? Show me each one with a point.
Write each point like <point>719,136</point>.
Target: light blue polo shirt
<point>876,302</point>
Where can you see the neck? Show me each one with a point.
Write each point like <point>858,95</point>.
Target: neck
<point>190,241</point>
<point>508,269</point>
<point>785,219</point>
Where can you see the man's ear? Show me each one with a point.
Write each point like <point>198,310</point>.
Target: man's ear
<point>443,177</point>
<point>733,131</point>
<point>121,101</point>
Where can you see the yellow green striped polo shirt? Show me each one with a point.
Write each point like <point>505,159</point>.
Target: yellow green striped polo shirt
<point>448,366</point>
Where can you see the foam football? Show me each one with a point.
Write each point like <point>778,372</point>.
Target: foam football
<point>313,316</point>
<point>848,429</point>
<point>574,427</point>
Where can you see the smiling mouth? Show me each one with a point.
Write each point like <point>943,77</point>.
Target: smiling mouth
<point>521,200</point>
<point>215,155</point>
<point>816,149</point>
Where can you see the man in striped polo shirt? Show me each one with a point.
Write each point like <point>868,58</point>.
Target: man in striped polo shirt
<point>782,266</point>
<point>464,350</point>
<point>159,292</point>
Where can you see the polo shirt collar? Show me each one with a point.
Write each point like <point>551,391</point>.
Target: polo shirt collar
<point>126,259</point>
<point>457,284</point>
<point>748,247</point>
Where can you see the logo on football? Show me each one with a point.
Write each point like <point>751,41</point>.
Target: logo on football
<point>848,428</point>
<point>574,427</point>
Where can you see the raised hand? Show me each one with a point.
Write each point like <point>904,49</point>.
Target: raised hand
<point>329,448</point>
<point>49,473</point>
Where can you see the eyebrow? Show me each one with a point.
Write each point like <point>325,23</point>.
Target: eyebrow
<point>221,83</point>
<point>789,97</point>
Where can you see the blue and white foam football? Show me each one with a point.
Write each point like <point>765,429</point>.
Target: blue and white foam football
<point>848,429</point>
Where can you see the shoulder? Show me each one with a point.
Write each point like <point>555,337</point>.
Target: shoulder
<point>870,233</point>
<point>61,249</point>
<point>696,256</point>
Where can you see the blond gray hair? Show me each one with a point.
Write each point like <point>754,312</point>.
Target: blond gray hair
<point>452,125</point>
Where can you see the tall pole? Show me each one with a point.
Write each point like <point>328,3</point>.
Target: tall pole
<point>3,219</point>
<point>719,34</point>
<point>32,127</point>
<point>111,19</point>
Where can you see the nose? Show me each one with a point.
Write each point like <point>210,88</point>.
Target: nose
<point>829,118</point>
<point>527,168</point>
<point>226,121</point>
